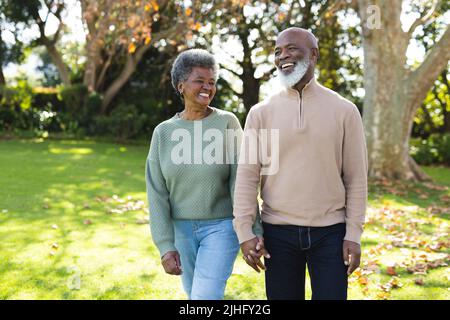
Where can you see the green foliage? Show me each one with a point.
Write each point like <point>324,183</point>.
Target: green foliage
<point>433,150</point>
<point>74,97</point>
<point>124,122</point>
<point>15,107</point>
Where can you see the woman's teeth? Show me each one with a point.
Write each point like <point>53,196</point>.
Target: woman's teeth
<point>204,95</point>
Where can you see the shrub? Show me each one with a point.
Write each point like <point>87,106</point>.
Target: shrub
<point>433,150</point>
<point>123,123</point>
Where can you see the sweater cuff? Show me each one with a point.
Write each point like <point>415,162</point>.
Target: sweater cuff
<point>353,232</point>
<point>244,231</point>
<point>165,247</point>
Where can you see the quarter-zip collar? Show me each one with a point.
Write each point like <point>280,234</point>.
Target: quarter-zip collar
<point>308,90</point>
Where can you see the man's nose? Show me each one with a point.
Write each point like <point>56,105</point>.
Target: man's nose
<point>284,54</point>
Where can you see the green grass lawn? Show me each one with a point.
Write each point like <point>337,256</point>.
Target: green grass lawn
<point>73,225</point>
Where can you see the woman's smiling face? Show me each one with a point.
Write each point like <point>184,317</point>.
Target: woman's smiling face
<point>200,87</point>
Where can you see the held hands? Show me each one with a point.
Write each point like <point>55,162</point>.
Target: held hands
<point>171,263</point>
<point>352,255</point>
<point>252,250</point>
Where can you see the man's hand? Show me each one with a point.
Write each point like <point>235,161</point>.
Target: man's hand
<point>252,250</point>
<point>171,263</point>
<point>352,255</point>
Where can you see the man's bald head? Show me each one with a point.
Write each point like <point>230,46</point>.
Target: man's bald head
<point>300,34</point>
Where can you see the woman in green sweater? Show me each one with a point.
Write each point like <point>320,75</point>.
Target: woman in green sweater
<point>190,175</point>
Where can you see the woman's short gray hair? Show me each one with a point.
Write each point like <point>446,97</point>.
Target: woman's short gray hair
<point>183,64</point>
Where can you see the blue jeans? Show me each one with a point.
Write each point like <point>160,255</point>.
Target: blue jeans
<point>292,248</point>
<point>208,249</point>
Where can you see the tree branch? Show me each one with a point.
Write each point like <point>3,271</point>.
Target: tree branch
<point>105,68</point>
<point>228,86</point>
<point>421,79</point>
<point>425,17</point>
<point>132,62</point>
<point>231,71</point>
<point>267,74</point>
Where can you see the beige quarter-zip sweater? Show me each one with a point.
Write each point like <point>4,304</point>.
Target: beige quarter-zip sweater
<point>322,174</point>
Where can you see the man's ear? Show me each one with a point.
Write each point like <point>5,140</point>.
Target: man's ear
<point>315,54</point>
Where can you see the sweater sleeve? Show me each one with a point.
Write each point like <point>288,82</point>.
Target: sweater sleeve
<point>234,151</point>
<point>247,221</point>
<point>354,175</point>
<point>161,226</point>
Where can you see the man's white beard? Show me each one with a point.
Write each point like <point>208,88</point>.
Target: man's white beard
<point>296,75</point>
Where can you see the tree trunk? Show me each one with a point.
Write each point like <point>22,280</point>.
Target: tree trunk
<point>250,84</point>
<point>132,62</point>
<point>2,77</point>
<point>392,92</point>
<point>59,63</point>
<point>446,113</point>
<point>119,82</point>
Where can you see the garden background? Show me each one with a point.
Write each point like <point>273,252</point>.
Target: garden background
<point>83,83</point>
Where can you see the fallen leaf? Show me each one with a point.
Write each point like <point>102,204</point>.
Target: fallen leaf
<point>55,246</point>
<point>419,281</point>
<point>363,281</point>
<point>391,271</point>
<point>87,222</point>
<point>383,295</point>
<point>54,226</point>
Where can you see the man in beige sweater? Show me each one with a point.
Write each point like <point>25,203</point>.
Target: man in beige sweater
<point>314,203</point>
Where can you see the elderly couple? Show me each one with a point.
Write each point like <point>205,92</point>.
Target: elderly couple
<point>313,205</point>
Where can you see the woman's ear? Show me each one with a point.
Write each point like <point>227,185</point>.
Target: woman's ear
<point>180,88</point>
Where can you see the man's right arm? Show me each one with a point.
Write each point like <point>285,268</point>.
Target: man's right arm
<point>247,180</point>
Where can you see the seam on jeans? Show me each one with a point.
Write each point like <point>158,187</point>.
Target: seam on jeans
<point>309,238</point>
<point>300,237</point>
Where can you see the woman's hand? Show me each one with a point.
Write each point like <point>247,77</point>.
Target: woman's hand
<point>171,263</point>
<point>252,250</point>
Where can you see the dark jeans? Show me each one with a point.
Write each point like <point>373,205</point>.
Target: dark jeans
<point>292,248</point>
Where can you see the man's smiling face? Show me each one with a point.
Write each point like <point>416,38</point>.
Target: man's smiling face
<point>295,49</point>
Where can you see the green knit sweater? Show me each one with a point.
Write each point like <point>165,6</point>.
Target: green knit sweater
<point>190,173</point>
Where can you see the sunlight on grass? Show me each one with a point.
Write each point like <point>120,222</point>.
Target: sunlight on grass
<point>75,209</point>
<point>79,151</point>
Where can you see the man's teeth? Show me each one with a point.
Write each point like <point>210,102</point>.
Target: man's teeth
<point>286,65</point>
<point>204,95</point>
